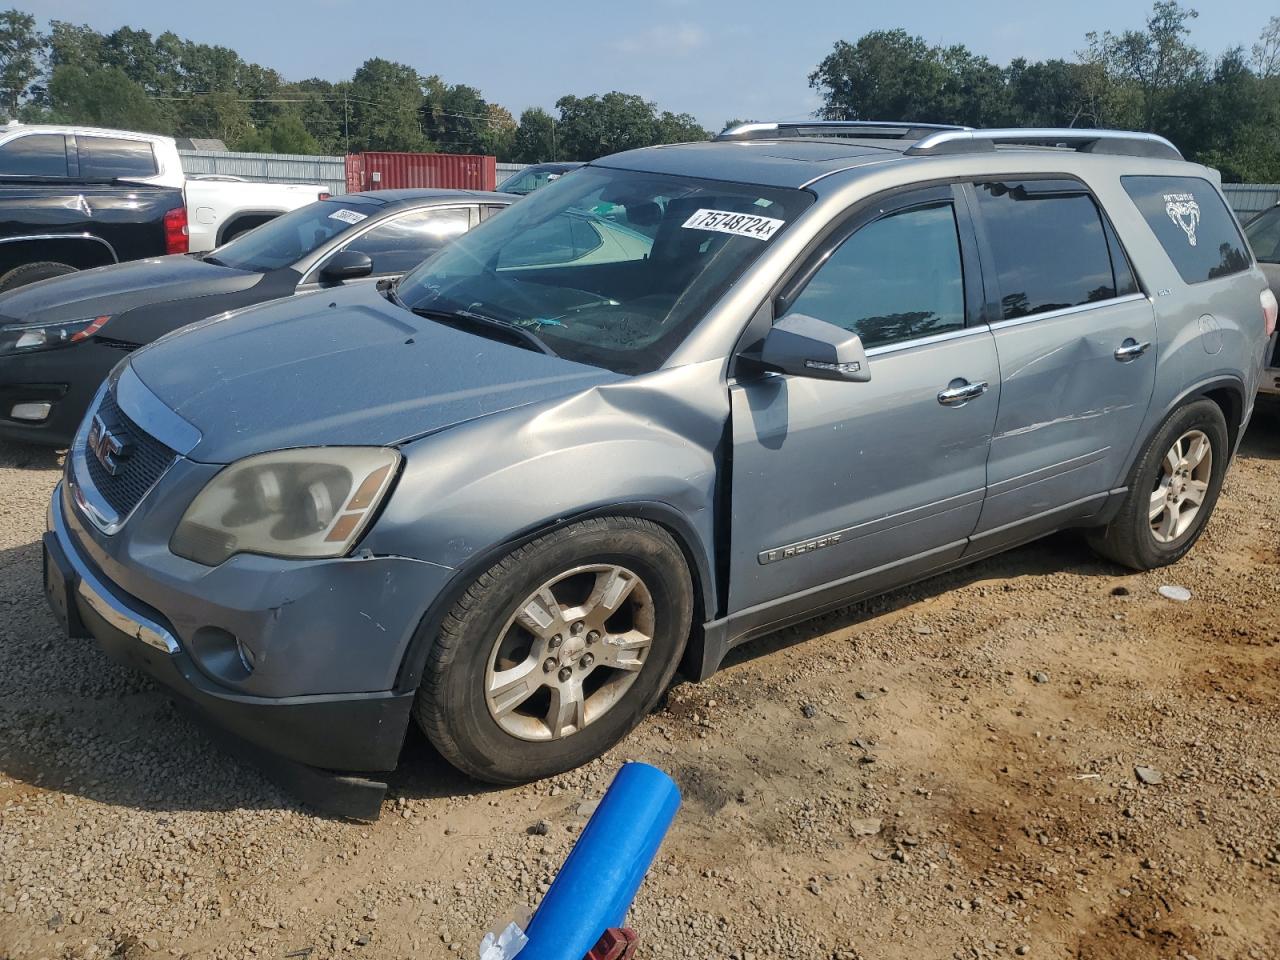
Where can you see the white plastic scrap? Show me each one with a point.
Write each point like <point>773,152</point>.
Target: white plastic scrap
<point>1181,594</point>
<point>505,945</point>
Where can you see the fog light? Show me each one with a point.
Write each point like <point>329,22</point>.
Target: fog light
<point>33,412</point>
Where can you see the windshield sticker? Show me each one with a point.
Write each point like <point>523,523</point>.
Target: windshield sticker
<point>1185,212</point>
<point>348,216</point>
<point>738,224</point>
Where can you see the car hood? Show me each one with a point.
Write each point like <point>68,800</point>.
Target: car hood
<point>345,367</point>
<point>120,287</point>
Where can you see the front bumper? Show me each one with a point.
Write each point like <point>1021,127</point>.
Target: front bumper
<point>66,379</point>
<point>348,731</point>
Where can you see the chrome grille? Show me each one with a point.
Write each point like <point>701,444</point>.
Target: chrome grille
<point>137,470</point>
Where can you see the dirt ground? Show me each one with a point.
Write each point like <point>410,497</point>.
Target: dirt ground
<point>949,771</point>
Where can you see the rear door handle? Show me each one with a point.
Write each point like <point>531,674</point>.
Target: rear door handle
<point>961,392</point>
<point>1131,349</point>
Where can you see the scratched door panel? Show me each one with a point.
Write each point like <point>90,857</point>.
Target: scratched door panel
<point>832,480</point>
<point>1070,412</point>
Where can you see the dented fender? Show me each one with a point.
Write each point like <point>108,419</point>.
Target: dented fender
<point>650,441</point>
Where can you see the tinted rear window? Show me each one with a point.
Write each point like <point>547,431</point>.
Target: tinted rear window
<point>36,155</point>
<point>1192,223</point>
<point>1049,246</point>
<point>108,157</point>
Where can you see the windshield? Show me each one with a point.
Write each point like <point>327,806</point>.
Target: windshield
<point>611,268</point>
<point>524,182</point>
<point>1263,232</point>
<point>288,238</point>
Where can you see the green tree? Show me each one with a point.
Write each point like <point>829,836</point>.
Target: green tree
<point>679,128</point>
<point>285,134</point>
<point>885,75</point>
<point>1158,62</point>
<point>1266,52</point>
<point>535,139</point>
<point>591,127</point>
<point>386,104</point>
<point>20,45</point>
<point>104,97</point>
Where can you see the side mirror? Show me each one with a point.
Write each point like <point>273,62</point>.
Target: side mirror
<point>808,347</point>
<point>346,265</point>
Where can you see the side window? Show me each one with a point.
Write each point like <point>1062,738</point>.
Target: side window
<point>1192,223</point>
<point>402,243</point>
<point>108,157</point>
<point>1264,235</point>
<point>1049,246</point>
<point>35,155</point>
<point>897,278</point>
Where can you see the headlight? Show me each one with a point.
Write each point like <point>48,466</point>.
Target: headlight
<point>305,503</point>
<point>28,338</point>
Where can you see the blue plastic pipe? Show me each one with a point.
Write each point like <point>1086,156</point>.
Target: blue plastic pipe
<point>603,871</point>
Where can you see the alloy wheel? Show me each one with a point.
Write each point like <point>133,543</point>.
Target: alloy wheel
<point>1181,487</point>
<point>569,652</point>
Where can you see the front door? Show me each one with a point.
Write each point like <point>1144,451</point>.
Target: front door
<point>1077,346</point>
<point>840,487</point>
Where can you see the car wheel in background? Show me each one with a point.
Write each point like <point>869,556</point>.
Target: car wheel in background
<point>1174,489</point>
<point>31,272</point>
<point>556,652</point>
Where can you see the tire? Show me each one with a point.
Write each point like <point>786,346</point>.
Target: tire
<point>508,737</point>
<point>1140,541</point>
<point>31,272</point>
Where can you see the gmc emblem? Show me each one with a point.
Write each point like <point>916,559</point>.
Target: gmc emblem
<point>106,446</point>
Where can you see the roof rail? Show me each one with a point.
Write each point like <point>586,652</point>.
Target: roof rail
<point>836,129</point>
<point>1115,142</point>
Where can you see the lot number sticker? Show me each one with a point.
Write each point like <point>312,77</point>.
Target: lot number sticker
<point>348,216</point>
<point>738,224</point>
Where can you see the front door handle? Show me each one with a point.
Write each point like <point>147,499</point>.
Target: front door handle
<point>1131,349</point>
<point>961,392</point>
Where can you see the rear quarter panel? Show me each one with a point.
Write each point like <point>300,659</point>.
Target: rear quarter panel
<point>1209,334</point>
<point>129,218</point>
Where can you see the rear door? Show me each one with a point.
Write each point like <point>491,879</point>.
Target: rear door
<point>1076,339</point>
<point>841,487</point>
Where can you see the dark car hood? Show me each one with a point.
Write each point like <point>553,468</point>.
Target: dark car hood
<point>345,367</point>
<point>121,287</point>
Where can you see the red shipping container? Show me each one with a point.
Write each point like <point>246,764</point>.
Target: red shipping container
<point>355,173</point>
<point>391,171</point>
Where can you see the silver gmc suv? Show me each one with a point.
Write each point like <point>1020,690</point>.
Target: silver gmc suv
<point>683,397</point>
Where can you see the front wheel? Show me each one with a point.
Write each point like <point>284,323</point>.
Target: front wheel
<point>556,652</point>
<point>1174,489</point>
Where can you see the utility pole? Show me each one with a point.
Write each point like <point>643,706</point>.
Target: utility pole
<point>346,127</point>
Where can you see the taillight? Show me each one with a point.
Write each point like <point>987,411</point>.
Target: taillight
<point>175,231</point>
<point>1269,311</point>
<point>324,195</point>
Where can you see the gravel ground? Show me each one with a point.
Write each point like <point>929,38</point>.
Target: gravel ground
<point>1038,756</point>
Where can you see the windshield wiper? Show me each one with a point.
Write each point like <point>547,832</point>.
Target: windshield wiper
<point>214,260</point>
<point>488,323</point>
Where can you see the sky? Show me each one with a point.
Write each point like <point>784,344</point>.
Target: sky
<point>715,59</point>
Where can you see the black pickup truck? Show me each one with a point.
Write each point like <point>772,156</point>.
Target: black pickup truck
<point>60,223</point>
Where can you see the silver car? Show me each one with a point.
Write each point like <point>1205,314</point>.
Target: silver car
<point>681,398</point>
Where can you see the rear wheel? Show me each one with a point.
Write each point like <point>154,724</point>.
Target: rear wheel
<point>1175,487</point>
<point>31,272</point>
<point>556,652</point>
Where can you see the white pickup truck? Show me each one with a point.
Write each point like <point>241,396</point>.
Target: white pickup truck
<point>218,207</point>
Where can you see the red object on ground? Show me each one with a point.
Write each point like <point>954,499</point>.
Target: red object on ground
<point>618,943</point>
<point>390,171</point>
